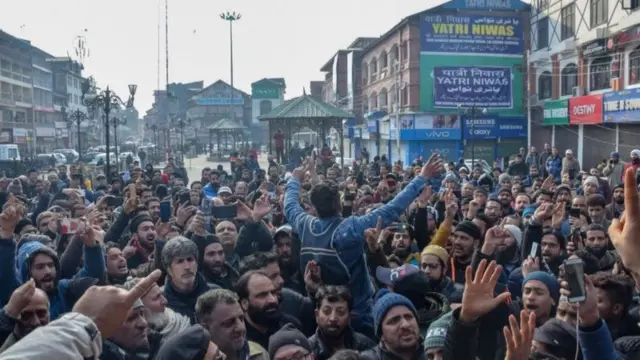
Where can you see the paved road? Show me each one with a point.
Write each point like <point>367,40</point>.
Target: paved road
<point>194,166</point>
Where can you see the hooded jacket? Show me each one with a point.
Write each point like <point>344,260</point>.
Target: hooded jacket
<point>352,340</point>
<point>94,266</point>
<point>185,303</point>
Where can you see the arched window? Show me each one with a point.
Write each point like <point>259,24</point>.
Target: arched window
<point>365,105</point>
<point>600,73</point>
<point>634,66</point>
<point>373,69</point>
<point>394,57</point>
<point>365,74</point>
<point>383,99</point>
<point>545,86</point>
<point>384,60</point>
<point>569,79</point>
<point>373,102</point>
<point>265,107</point>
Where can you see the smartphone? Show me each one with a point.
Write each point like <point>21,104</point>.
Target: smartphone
<point>574,213</point>
<point>574,275</point>
<point>224,212</point>
<point>165,211</point>
<point>70,226</point>
<point>534,250</point>
<point>185,197</point>
<point>114,201</point>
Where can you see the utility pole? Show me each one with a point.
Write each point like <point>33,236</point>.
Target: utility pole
<point>230,17</point>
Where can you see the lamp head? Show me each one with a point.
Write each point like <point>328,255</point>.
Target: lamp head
<point>132,89</point>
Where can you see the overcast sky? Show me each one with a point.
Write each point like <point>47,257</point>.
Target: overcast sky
<point>278,38</point>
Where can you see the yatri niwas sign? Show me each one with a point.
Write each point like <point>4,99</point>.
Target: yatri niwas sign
<point>466,86</point>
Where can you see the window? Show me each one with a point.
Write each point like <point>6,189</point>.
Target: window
<point>405,95</point>
<point>545,86</point>
<point>69,82</point>
<point>599,12</point>
<point>404,51</point>
<point>632,4</point>
<point>365,74</point>
<point>634,66</point>
<point>394,57</point>
<point>384,60</point>
<point>265,107</point>
<point>600,73</point>
<point>373,69</point>
<point>543,33</point>
<point>365,105</point>
<point>383,99</point>
<point>569,79</point>
<point>373,102</point>
<point>568,16</point>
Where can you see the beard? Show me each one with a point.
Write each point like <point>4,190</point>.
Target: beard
<point>402,253</point>
<point>332,332</point>
<point>597,252</point>
<point>507,255</point>
<point>619,200</point>
<point>269,316</point>
<point>157,321</point>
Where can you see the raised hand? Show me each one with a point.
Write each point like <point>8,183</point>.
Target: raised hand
<point>108,306</point>
<point>625,232</point>
<point>261,208</point>
<point>20,298</point>
<point>477,298</point>
<point>371,236</point>
<point>519,338</point>
<point>433,166</point>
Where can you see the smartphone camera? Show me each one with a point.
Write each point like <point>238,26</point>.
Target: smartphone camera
<point>574,275</point>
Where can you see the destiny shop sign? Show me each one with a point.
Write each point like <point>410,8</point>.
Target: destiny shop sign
<point>467,86</point>
<point>472,34</point>
<point>622,106</point>
<point>585,110</point>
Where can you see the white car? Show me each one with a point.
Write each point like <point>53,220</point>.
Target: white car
<point>103,156</point>
<point>122,157</point>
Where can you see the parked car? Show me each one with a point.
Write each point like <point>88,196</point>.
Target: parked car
<point>122,157</point>
<point>46,158</point>
<point>70,154</point>
<point>112,159</point>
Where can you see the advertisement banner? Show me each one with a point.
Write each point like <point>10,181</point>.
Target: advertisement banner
<point>448,150</point>
<point>6,136</point>
<point>585,110</point>
<point>429,127</point>
<point>486,86</point>
<point>372,126</point>
<point>487,128</point>
<point>556,113</point>
<point>220,101</point>
<point>472,34</point>
<point>622,106</point>
<point>20,136</point>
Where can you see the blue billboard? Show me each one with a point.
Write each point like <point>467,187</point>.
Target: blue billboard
<point>219,101</point>
<point>422,126</point>
<point>484,5</point>
<point>466,86</point>
<point>430,134</point>
<point>449,150</point>
<point>472,34</point>
<point>493,127</point>
<point>621,106</point>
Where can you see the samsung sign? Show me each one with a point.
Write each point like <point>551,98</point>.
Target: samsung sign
<point>495,127</point>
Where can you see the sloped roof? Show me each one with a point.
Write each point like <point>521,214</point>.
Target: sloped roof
<point>271,82</point>
<point>225,124</point>
<point>306,107</point>
<point>220,82</point>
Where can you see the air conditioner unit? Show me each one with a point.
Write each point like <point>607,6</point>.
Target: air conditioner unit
<point>534,101</point>
<point>577,91</point>
<point>615,84</point>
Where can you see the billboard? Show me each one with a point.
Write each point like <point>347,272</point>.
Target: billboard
<point>429,127</point>
<point>220,101</point>
<point>487,128</point>
<point>431,63</point>
<point>556,113</point>
<point>466,86</point>
<point>472,34</point>
<point>621,106</point>
<point>585,110</point>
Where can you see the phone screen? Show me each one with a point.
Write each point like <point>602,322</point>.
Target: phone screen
<point>574,213</point>
<point>185,197</point>
<point>574,274</point>
<point>224,212</point>
<point>165,211</point>
<point>534,250</point>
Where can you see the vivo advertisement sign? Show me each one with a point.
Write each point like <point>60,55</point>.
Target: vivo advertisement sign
<point>430,134</point>
<point>495,127</point>
<point>422,126</point>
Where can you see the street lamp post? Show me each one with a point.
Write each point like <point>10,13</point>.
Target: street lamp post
<point>472,113</point>
<point>117,121</point>
<point>230,17</point>
<point>153,128</point>
<point>180,123</point>
<point>75,118</point>
<point>107,101</point>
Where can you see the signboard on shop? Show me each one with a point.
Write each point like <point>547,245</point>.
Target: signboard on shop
<point>585,110</point>
<point>488,128</point>
<point>621,106</point>
<point>483,86</point>
<point>556,113</point>
<point>595,48</point>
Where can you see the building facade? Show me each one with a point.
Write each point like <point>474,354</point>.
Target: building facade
<point>44,111</point>
<point>584,70</point>
<point>16,93</point>
<point>215,102</point>
<point>67,96</point>
<point>266,95</point>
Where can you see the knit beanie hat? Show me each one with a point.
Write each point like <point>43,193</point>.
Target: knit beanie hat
<point>437,251</point>
<point>470,229</point>
<point>437,332</point>
<point>386,300</point>
<point>288,335</point>
<point>548,280</point>
<point>515,232</point>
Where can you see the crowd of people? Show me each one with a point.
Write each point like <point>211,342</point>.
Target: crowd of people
<point>377,261</point>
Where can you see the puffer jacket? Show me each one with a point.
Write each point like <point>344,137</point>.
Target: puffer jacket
<point>352,340</point>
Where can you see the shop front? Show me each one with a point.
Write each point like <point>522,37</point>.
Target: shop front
<point>46,138</point>
<point>423,135</point>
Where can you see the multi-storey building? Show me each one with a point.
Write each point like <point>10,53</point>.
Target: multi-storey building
<point>44,111</point>
<point>16,92</point>
<point>266,95</point>
<point>584,75</point>
<point>67,94</point>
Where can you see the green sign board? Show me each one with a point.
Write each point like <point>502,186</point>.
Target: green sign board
<point>556,112</point>
<point>259,92</point>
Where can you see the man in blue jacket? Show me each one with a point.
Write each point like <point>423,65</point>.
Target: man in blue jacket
<point>336,243</point>
<point>36,260</point>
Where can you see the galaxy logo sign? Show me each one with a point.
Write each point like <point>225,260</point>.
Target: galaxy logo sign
<point>472,34</point>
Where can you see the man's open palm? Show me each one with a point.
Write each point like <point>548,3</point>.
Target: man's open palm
<point>478,296</point>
